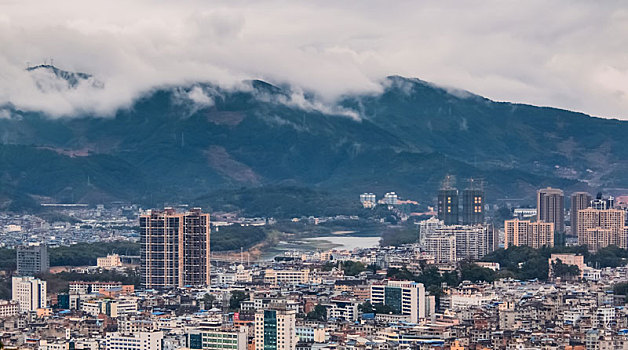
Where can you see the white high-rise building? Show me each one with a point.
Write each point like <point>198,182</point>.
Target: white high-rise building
<point>405,297</point>
<point>275,329</point>
<point>441,247</point>
<point>428,227</point>
<point>368,200</point>
<point>391,198</point>
<point>472,241</point>
<point>30,292</point>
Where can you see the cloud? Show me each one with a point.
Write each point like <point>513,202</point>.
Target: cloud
<point>199,97</point>
<point>567,54</point>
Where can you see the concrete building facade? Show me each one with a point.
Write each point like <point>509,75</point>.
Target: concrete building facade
<point>550,207</point>
<point>599,228</point>
<point>275,329</point>
<point>175,249</point>
<point>30,292</point>
<point>32,260</point>
<point>525,233</point>
<point>405,297</point>
<point>579,201</point>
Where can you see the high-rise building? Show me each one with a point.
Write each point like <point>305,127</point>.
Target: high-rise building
<point>472,206</point>
<point>175,249</point>
<point>602,203</point>
<point>442,248</point>
<point>428,227</point>
<point>525,233</point>
<point>275,328</point>
<point>368,200</point>
<point>448,206</point>
<point>493,238</point>
<point>550,207</point>
<point>472,241</point>
<point>405,297</point>
<point>448,244</point>
<point>391,198</point>
<point>30,292</point>
<point>32,260</point>
<point>579,201</point>
<point>599,228</point>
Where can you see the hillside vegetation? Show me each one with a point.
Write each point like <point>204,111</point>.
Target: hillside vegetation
<point>255,149</point>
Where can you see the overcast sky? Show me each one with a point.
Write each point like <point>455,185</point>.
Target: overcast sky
<point>568,54</point>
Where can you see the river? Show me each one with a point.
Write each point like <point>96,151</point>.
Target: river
<point>322,244</point>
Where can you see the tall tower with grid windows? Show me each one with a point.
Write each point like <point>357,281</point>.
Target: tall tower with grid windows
<point>175,249</point>
<point>473,203</point>
<point>448,210</point>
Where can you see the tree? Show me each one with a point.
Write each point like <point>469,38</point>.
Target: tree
<point>611,256</point>
<point>502,214</point>
<point>352,268</point>
<point>400,274</point>
<point>318,314</point>
<point>475,273</point>
<point>328,266</point>
<point>208,300</point>
<point>621,289</point>
<point>559,269</point>
<point>237,296</point>
<point>384,309</point>
<point>366,308</point>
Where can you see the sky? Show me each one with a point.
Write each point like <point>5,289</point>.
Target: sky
<point>567,54</point>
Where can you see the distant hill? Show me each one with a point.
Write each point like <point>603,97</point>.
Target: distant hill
<point>185,144</point>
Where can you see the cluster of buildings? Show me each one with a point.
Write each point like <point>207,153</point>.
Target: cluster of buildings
<point>459,232</point>
<point>312,301</point>
<point>69,224</point>
<point>390,199</point>
<point>596,223</point>
<point>307,301</point>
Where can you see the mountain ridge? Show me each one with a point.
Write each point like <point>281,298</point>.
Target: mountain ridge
<point>185,142</point>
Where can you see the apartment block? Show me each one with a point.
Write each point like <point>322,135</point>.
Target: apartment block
<point>29,292</point>
<point>525,233</point>
<point>32,260</point>
<point>217,339</point>
<point>275,329</point>
<point>134,341</point>
<point>599,228</point>
<point>550,207</point>
<point>289,276</point>
<point>579,201</point>
<point>9,308</point>
<point>175,249</point>
<point>405,297</point>
<point>441,248</point>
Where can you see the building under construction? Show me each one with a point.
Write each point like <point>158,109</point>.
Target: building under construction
<point>448,202</point>
<point>473,203</point>
<point>175,249</point>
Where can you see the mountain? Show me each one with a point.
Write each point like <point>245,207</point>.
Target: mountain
<point>192,143</point>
